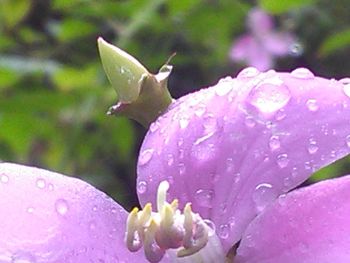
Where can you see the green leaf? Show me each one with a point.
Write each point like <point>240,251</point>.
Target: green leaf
<point>278,7</point>
<point>13,11</point>
<point>335,42</point>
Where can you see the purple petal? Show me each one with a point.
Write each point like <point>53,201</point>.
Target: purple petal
<point>259,22</point>
<point>278,44</point>
<point>48,217</point>
<point>307,225</point>
<point>233,148</point>
<point>251,50</point>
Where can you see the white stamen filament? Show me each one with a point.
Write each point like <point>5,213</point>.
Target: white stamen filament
<point>184,237</point>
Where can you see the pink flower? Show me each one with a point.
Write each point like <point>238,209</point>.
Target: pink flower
<point>259,47</point>
<point>234,151</point>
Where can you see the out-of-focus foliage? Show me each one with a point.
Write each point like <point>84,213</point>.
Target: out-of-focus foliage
<point>54,93</point>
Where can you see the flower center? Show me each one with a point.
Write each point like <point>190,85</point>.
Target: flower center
<point>183,237</point>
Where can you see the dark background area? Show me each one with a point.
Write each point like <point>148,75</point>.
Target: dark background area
<point>54,93</point>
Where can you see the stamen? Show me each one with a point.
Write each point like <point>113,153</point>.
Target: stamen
<point>168,230</point>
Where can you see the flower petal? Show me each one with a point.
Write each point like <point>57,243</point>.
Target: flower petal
<point>251,50</point>
<point>278,43</point>
<point>308,225</point>
<point>259,22</point>
<point>233,148</point>
<point>48,217</point>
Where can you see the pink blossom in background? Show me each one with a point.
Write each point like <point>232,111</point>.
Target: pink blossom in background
<point>263,43</point>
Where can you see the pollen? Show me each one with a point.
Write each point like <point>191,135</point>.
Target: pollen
<point>168,228</point>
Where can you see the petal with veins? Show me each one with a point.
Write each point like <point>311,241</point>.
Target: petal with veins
<point>264,137</point>
<point>308,225</point>
<point>49,217</point>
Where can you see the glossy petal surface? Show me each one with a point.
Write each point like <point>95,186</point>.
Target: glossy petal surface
<point>309,225</point>
<point>233,148</point>
<point>48,217</point>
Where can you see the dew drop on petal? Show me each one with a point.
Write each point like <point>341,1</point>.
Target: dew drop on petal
<point>224,231</point>
<point>270,95</point>
<point>346,89</point>
<point>170,160</point>
<point>312,147</point>
<point>302,73</point>
<point>154,126</point>
<point>263,195</point>
<point>204,197</point>
<point>249,72</point>
<point>200,110</point>
<point>282,160</point>
<point>280,115</point>
<point>183,122</point>
<point>229,165</point>
<point>250,122</point>
<point>30,210</point>
<point>182,168</point>
<point>274,143</point>
<point>40,183</point>
<point>4,178</point>
<point>142,187</point>
<point>61,207</point>
<point>312,105</point>
<point>145,156</point>
<point>50,187</point>
<point>223,88</point>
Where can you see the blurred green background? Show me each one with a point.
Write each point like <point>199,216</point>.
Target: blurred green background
<point>54,93</point>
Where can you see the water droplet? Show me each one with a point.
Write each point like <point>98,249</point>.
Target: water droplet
<point>209,123</point>
<point>263,195</point>
<point>180,142</point>
<point>154,126</point>
<point>224,231</point>
<point>232,221</point>
<point>312,105</point>
<point>203,138</point>
<point>346,89</point>
<point>94,208</point>
<point>274,143</point>
<point>145,156</point>
<point>270,95</point>
<point>296,49</point>
<point>229,165</point>
<point>170,159</point>
<point>61,206</point>
<point>302,73</point>
<point>347,140</point>
<point>204,197</point>
<point>40,183</point>
<point>4,178</point>
<point>182,168</point>
<point>280,115</point>
<point>203,151</point>
<point>312,147</point>
<point>51,187</point>
<point>282,160</point>
<point>223,88</point>
<point>183,122</point>
<point>200,110</point>
<point>30,210</point>
<point>250,122</point>
<point>249,72</point>
<point>142,187</point>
